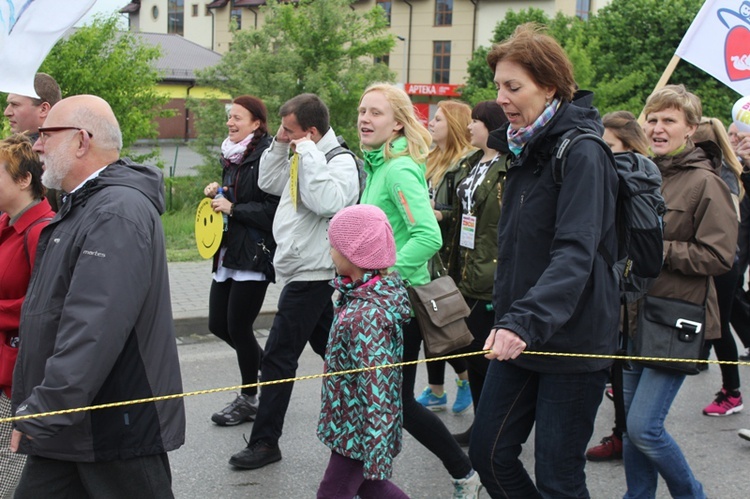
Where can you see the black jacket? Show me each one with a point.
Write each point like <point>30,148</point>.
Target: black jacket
<point>96,326</point>
<point>552,286</point>
<point>248,239</point>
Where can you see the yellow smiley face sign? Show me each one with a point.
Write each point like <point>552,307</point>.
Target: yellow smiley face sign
<point>209,228</point>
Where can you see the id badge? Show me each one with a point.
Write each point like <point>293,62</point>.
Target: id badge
<point>468,227</point>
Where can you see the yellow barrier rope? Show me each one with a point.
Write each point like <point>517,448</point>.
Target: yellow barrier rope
<point>352,371</point>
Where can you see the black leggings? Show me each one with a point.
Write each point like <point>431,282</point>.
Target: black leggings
<point>422,423</point>
<point>436,370</point>
<point>725,347</point>
<point>233,306</point>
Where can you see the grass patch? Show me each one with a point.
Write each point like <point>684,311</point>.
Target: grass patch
<point>179,231</point>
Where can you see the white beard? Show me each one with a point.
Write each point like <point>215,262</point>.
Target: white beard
<point>53,176</point>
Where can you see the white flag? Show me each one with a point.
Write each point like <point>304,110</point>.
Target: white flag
<point>718,42</point>
<point>28,31</point>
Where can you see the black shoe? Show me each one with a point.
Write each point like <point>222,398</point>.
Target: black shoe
<point>243,408</point>
<point>256,455</point>
<point>464,438</point>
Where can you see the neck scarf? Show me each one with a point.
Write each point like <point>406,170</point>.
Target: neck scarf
<point>517,139</point>
<point>233,151</point>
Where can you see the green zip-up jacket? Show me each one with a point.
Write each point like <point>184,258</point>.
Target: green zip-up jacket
<point>398,187</point>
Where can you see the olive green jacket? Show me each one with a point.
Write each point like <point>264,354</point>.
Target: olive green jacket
<point>474,269</point>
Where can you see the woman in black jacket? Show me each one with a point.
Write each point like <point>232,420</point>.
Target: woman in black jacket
<point>243,266</point>
<point>554,291</point>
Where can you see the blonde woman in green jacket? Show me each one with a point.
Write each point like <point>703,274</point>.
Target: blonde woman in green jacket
<point>395,146</point>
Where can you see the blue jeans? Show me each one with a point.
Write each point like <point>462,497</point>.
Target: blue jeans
<point>563,406</point>
<point>648,450</point>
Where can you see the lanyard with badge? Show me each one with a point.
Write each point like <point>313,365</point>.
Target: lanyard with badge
<point>468,220</point>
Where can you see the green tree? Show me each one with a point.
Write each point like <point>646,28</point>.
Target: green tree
<point>318,46</point>
<point>565,29</point>
<point>620,53</point>
<point>118,67</point>
<point>636,40</point>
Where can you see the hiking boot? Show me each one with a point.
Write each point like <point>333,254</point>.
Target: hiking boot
<point>243,408</point>
<point>724,405</point>
<point>467,488</point>
<point>463,397</point>
<point>743,433</point>
<point>256,455</point>
<point>610,449</point>
<point>463,439</point>
<point>432,401</point>
<point>745,356</point>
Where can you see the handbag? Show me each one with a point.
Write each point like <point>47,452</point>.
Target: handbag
<point>670,328</point>
<point>440,310</point>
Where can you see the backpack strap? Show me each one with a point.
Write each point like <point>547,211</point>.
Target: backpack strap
<point>560,160</point>
<point>337,151</point>
<point>26,237</point>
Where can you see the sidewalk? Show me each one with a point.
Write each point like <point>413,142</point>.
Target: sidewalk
<point>190,283</point>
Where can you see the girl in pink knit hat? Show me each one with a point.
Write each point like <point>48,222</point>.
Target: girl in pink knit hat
<point>360,417</point>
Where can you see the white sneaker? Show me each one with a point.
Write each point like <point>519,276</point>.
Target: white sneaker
<point>467,488</point>
<point>744,434</point>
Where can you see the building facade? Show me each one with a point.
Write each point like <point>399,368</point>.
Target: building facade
<point>436,38</point>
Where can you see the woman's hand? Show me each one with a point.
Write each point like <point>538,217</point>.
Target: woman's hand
<point>504,343</point>
<point>211,190</point>
<point>221,205</point>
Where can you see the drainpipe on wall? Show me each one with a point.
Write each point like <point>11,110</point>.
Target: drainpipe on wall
<point>474,26</point>
<point>213,28</point>
<point>187,111</point>
<point>408,43</point>
<point>255,14</point>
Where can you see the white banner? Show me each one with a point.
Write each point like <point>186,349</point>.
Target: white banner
<point>28,31</point>
<point>718,42</point>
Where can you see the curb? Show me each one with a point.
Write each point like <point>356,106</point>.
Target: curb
<point>189,326</point>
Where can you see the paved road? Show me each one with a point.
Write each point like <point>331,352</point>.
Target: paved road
<point>719,458</point>
<point>177,157</point>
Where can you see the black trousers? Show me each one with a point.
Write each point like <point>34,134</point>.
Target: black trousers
<point>147,477</point>
<point>233,307</point>
<point>305,315</point>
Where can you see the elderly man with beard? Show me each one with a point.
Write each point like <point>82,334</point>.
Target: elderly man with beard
<point>96,326</point>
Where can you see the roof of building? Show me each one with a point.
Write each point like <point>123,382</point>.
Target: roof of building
<point>132,7</point>
<point>179,58</point>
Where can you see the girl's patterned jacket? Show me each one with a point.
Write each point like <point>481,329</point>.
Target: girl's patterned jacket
<point>360,417</point>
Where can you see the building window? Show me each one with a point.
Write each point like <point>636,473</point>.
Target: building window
<point>175,16</point>
<point>195,10</point>
<point>386,5</point>
<point>235,18</point>
<point>583,8</point>
<point>441,62</point>
<point>385,59</point>
<point>443,12</point>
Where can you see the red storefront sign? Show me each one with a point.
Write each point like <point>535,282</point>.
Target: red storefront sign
<point>422,110</point>
<point>436,89</point>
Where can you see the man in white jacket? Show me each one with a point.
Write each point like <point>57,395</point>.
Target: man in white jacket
<point>312,190</point>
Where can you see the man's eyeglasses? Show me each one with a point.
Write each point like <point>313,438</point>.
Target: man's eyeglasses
<point>45,131</point>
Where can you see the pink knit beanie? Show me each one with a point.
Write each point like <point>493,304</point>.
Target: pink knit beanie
<point>363,235</point>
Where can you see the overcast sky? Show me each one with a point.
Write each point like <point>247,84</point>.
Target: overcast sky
<point>105,7</point>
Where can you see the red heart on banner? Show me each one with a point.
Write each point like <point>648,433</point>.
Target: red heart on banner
<point>737,53</point>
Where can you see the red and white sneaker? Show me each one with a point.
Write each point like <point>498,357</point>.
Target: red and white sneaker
<point>724,405</point>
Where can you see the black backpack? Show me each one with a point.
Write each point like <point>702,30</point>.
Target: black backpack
<point>639,213</point>
<point>343,148</point>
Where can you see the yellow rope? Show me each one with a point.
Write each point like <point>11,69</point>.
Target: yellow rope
<point>351,371</point>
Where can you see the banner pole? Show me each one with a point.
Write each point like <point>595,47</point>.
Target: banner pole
<point>662,81</point>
